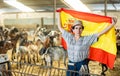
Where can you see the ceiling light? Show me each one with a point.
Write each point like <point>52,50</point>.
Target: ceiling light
<point>77,5</point>
<point>40,10</point>
<point>19,5</point>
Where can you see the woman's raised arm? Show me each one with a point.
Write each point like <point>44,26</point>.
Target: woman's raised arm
<point>59,23</point>
<point>114,20</point>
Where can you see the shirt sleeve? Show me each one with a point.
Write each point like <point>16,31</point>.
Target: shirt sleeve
<point>91,39</point>
<point>66,35</point>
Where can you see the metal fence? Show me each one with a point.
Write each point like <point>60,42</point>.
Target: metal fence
<point>34,70</point>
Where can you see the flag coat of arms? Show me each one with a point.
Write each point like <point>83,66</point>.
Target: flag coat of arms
<point>104,50</point>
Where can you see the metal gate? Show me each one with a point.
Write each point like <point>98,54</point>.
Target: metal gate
<point>33,70</point>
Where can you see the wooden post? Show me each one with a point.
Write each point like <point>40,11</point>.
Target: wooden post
<point>105,6</point>
<point>104,67</point>
<point>54,14</point>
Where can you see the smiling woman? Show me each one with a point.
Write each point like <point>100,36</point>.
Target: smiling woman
<point>77,27</point>
<point>78,46</point>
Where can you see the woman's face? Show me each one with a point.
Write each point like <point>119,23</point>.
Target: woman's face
<point>77,30</point>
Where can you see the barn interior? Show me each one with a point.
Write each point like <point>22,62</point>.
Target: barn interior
<point>43,13</point>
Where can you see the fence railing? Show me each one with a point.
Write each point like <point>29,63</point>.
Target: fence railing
<point>25,69</point>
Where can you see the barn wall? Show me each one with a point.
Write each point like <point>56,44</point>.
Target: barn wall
<point>117,15</point>
<point>1,20</point>
<point>29,20</point>
<point>43,19</point>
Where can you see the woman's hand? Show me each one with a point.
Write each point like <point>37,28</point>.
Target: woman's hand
<point>114,20</point>
<point>59,22</point>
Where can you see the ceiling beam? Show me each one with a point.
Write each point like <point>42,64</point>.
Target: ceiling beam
<point>101,6</point>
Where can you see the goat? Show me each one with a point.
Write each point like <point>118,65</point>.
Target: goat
<point>53,53</point>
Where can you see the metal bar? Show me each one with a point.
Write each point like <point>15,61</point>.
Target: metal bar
<point>39,72</point>
<point>9,68</point>
<point>29,69</point>
<point>47,70</point>
<point>23,68</point>
<point>103,65</point>
<point>26,68</point>
<point>42,22</point>
<point>105,6</point>
<point>54,14</point>
<point>32,69</point>
<point>113,4</point>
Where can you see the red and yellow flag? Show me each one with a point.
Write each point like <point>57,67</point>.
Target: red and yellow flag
<point>104,50</point>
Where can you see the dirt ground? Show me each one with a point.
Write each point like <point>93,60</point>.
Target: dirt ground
<point>95,68</point>
<point>116,70</point>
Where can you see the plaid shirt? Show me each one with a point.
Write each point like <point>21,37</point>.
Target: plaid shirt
<point>78,50</point>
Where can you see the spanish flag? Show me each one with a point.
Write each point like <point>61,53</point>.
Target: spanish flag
<point>104,50</point>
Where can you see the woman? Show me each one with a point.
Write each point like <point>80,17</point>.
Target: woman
<point>78,46</point>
